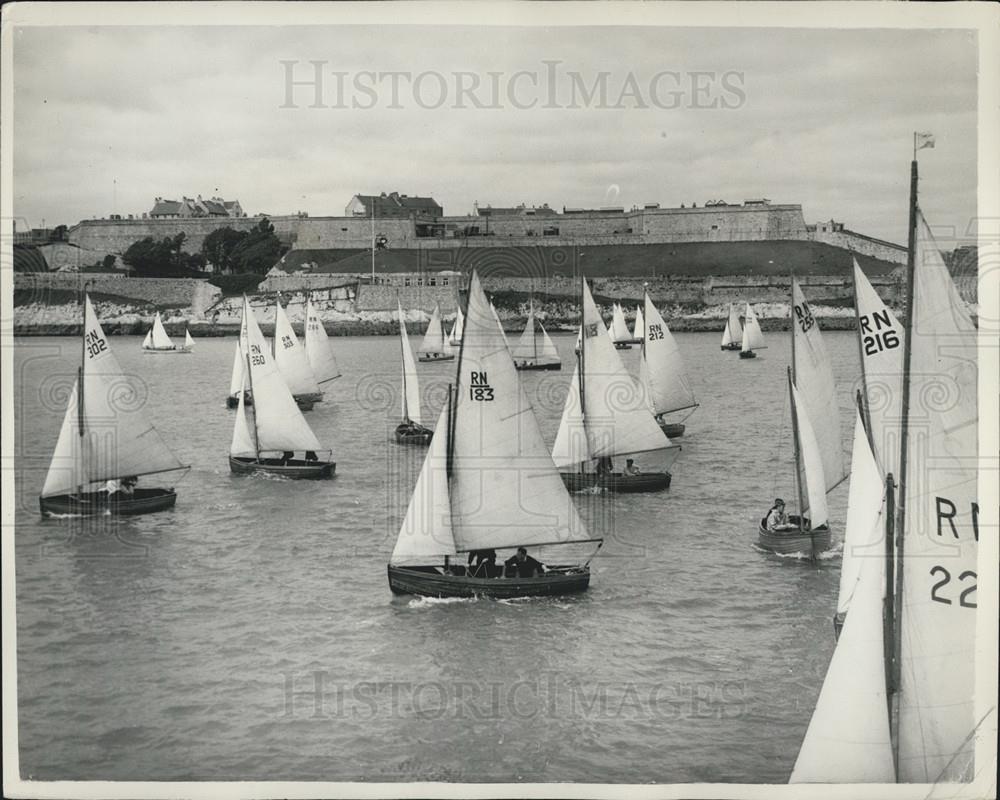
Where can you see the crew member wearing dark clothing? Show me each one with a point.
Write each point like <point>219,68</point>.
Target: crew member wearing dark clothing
<point>287,456</point>
<point>311,455</point>
<point>486,561</point>
<point>526,566</point>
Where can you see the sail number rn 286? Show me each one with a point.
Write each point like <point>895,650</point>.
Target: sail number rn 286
<point>479,387</point>
<point>94,343</point>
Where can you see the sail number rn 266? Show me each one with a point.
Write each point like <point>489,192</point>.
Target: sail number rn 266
<point>94,343</point>
<point>479,387</point>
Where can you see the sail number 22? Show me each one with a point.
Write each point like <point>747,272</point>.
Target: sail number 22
<point>966,579</point>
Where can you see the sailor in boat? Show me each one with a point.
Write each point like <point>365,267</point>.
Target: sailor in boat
<point>524,565</point>
<point>631,470</point>
<point>486,563</point>
<point>777,519</point>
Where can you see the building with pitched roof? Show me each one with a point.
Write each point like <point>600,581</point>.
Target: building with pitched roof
<point>186,208</point>
<point>393,206</point>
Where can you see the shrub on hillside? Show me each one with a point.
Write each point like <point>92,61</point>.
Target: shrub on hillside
<point>235,285</point>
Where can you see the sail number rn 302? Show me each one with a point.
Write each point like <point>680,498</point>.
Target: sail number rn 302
<point>479,387</point>
<point>94,343</point>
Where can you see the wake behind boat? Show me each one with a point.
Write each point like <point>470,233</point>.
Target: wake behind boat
<point>470,496</point>
<point>105,440</point>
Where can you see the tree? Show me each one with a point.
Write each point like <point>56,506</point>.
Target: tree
<point>108,263</point>
<point>163,259</point>
<point>218,246</point>
<point>258,251</point>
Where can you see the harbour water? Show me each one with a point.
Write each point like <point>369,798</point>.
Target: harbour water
<point>249,634</point>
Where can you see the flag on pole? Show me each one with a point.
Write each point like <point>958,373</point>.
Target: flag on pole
<point>923,140</point>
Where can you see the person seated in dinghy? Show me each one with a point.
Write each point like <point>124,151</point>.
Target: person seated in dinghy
<point>525,565</point>
<point>777,519</point>
<point>605,466</point>
<point>486,562</point>
<point>631,470</point>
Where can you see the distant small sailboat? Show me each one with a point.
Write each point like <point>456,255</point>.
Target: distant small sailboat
<point>639,329</point>
<point>620,334</point>
<point>293,363</point>
<point>487,484</point>
<point>535,350</point>
<point>277,433</point>
<point>753,337</point>
<point>732,336</point>
<point>455,337</point>
<point>188,341</point>
<point>318,349</point>
<point>411,430</point>
<point>104,439</point>
<point>434,347</point>
<point>662,374</point>
<point>157,340</point>
<point>605,416</point>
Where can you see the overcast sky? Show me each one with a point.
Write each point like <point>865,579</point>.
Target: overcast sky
<point>105,119</point>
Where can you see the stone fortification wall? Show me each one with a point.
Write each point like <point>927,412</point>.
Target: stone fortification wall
<point>59,255</point>
<point>384,298</point>
<point>723,224</point>
<point>164,292</point>
<point>352,232</point>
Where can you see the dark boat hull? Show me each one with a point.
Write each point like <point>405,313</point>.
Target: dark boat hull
<point>307,401</point>
<point>233,401</point>
<point>430,581</point>
<point>672,429</point>
<point>733,346</point>
<point>141,501</point>
<point>794,542</point>
<point>623,346</point>
<point>431,359</point>
<point>420,437</point>
<point>296,468</point>
<point>554,366</point>
<point>747,354</point>
<point>616,482</point>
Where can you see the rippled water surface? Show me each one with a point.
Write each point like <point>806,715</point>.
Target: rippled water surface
<point>250,634</point>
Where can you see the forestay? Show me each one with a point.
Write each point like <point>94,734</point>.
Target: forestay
<point>505,489</point>
<point>411,384</point>
<point>280,424</point>
<point>940,533</point>
<point>318,348</point>
<point>571,448</point>
<point>661,369</point>
<point>105,434</point>
<point>814,380</point>
<point>811,463</point>
<point>290,357</point>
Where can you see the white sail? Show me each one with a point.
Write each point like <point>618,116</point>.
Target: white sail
<point>618,421</point>
<point>753,337</point>
<point>814,379</point>
<point>503,333</point>
<point>411,385</point>
<point>812,464</point>
<point>455,337</point>
<point>661,368</point>
<point>571,448</point>
<point>318,349</point>
<point>864,532</point>
<point>147,343</point>
<point>188,340</point>
<point>525,349</point>
<point>115,437</point>
<point>733,334</point>
<point>848,736</point>
<point>434,337</point>
<point>639,331</point>
<point>236,378</point>
<point>280,424</point>
<point>242,443</point>
<point>291,358</point>
<point>426,531</point>
<point>940,533</point>
<point>547,353</point>
<point>619,327</point>
<point>505,489</point>
<point>160,339</point>
<point>881,339</point>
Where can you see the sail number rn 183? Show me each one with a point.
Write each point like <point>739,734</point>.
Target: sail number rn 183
<point>479,387</point>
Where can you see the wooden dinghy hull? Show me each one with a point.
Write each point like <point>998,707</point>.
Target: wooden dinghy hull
<point>623,346</point>
<point>672,430</point>
<point>296,468</point>
<point>794,542</point>
<point>306,401</point>
<point>420,437</point>
<point>431,359</point>
<point>526,367</point>
<point>732,346</point>
<point>431,581</point>
<point>141,501</point>
<point>164,350</point>
<point>616,482</point>
<point>233,401</point>
<point>748,354</point>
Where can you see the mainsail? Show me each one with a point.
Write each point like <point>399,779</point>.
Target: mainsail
<point>661,368</point>
<point>411,385</point>
<point>290,358</point>
<point>753,337</point>
<point>525,348</point>
<point>810,463</point>
<point>434,337</point>
<point>639,330</point>
<point>106,433</point>
<point>813,377</point>
<point>571,447</point>
<point>160,340</point>
<point>321,358</point>
<point>503,333</point>
<point>455,337</point>
<point>733,334</point>
<point>147,343</point>
<point>188,340</point>
<point>619,327</point>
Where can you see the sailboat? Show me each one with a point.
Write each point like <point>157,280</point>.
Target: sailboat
<point>188,341</point>
<point>237,379</point>
<point>529,352</point>
<point>732,336</point>
<point>487,484</point>
<point>103,438</point>
<point>317,345</point>
<point>619,329</point>
<point>411,430</point>
<point>434,347</point>
<point>277,431</point>
<point>605,416</point>
<point>157,340</point>
<point>661,373</point>
<point>455,336</point>
<point>897,703</point>
<point>753,337</point>
<point>293,363</point>
<point>818,457</point>
<point>639,329</point>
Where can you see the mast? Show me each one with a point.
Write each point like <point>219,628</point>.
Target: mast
<point>897,623</point>
<point>888,604</point>
<point>791,314</point>
<point>863,394</point>
<point>373,241</point>
<point>581,371</point>
<point>453,407</point>
<point>79,394</point>
<point>798,454</point>
<point>256,437</point>
<point>534,339</point>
